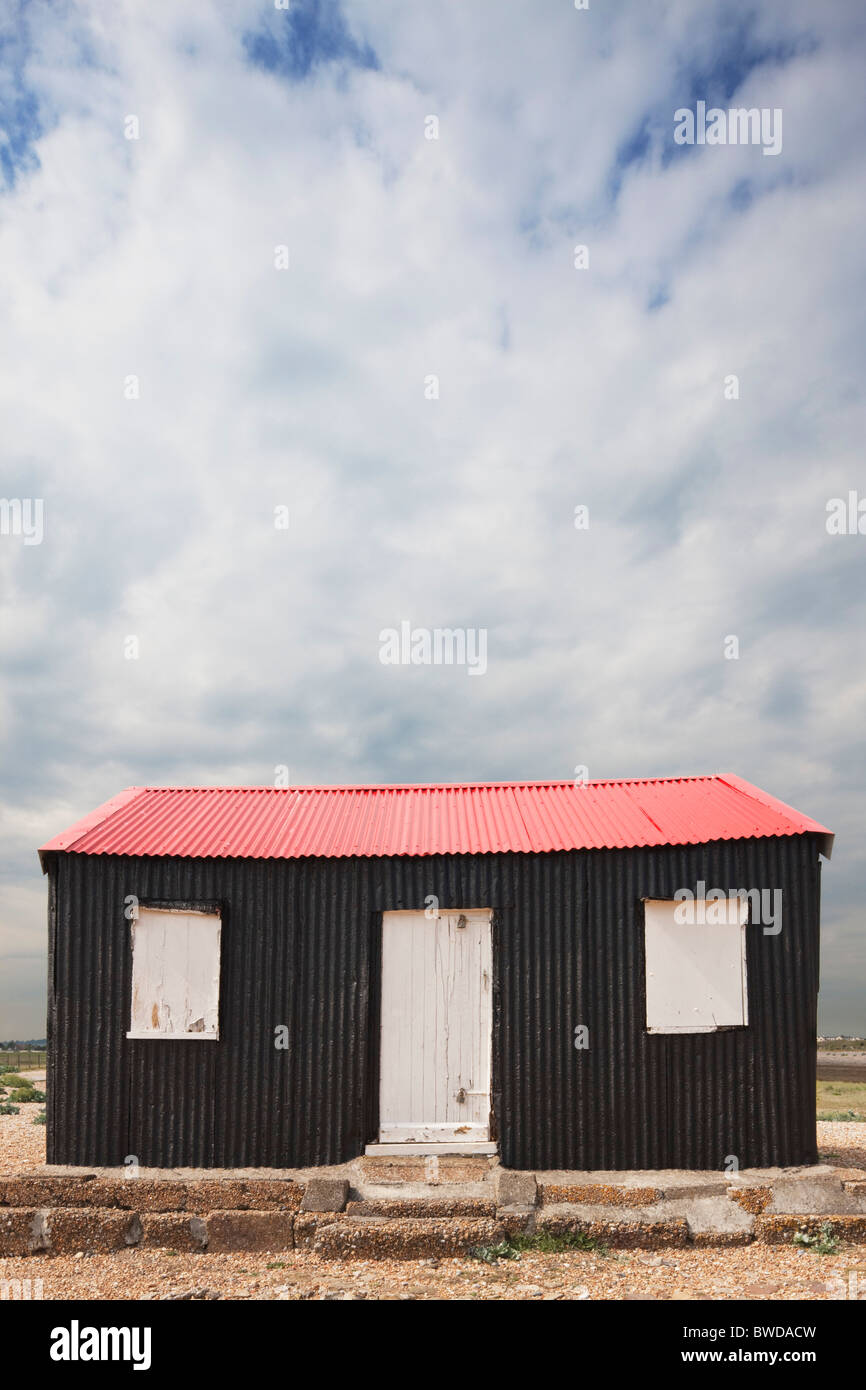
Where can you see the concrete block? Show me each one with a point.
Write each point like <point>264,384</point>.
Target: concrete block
<point>517,1221</point>
<point>26,1191</point>
<point>458,1168</point>
<point>394,1170</point>
<point>349,1238</point>
<point>23,1231</point>
<point>708,1239</point>
<point>249,1230</point>
<point>217,1194</point>
<point>325,1194</point>
<point>173,1231</point>
<point>150,1194</point>
<point>422,1207</point>
<point>600,1194</point>
<point>126,1193</point>
<point>716,1214</point>
<point>780,1229</point>
<point>94,1230</point>
<point>308,1224</point>
<point>813,1196</point>
<point>426,1168</point>
<point>279,1194</point>
<point>514,1189</point>
<point>636,1235</point>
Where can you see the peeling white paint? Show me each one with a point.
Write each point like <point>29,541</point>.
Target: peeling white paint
<point>436,1027</point>
<point>175,974</point>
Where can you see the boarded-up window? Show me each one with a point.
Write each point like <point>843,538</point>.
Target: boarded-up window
<point>175,974</point>
<point>696,967</point>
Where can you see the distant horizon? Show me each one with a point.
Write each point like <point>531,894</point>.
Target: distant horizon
<point>393,390</point>
<point>37,1044</point>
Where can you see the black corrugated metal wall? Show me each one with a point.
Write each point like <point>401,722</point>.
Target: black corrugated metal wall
<point>301,947</point>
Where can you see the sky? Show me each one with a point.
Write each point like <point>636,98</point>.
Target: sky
<point>298,347</point>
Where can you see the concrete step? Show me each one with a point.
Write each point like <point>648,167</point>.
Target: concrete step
<point>415,1208</point>
<point>772,1229</point>
<point>99,1230</point>
<point>152,1194</point>
<point>427,1169</point>
<point>395,1238</point>
<point>599,1194</point>
<point>363,1234</point>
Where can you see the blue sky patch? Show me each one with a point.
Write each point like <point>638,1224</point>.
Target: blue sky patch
<point>636,147</point>
<point>737,52</point>
<point>20,126</point>
<point>742,195</point>
<point>311,33</point>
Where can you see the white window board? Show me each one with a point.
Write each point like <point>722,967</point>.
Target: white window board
<point>175,974</point>
<point>695,970</point>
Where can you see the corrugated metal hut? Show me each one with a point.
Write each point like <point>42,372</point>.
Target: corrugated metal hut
<point>614,975</point>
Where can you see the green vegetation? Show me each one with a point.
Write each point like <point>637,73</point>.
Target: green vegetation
<point>27,1096</point>
<point>7,1109</point>
<point>554,1243</point>
<point>824,1243</point>
<point>842,1100</point>
<point>40,1118</point>
<point>542,1243</point>
<point>491,1254</point>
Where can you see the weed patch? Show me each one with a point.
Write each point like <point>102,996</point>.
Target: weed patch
<point>824,1243</point>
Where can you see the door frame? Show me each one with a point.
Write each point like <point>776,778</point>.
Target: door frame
<point>373,1144</point>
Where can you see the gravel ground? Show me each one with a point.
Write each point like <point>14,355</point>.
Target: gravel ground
<point>22,1143</point>
<point>752,1272</point>
<point>842,1143</point>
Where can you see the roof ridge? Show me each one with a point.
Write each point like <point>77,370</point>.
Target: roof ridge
<point>432,786</point>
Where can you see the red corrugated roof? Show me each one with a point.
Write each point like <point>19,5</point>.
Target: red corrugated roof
<point>460,818</point>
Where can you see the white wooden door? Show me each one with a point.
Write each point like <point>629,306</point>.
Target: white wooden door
<point>436,1027</point>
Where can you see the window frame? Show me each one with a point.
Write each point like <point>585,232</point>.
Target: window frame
<point>187,908</point>
<point>678,1030</point>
